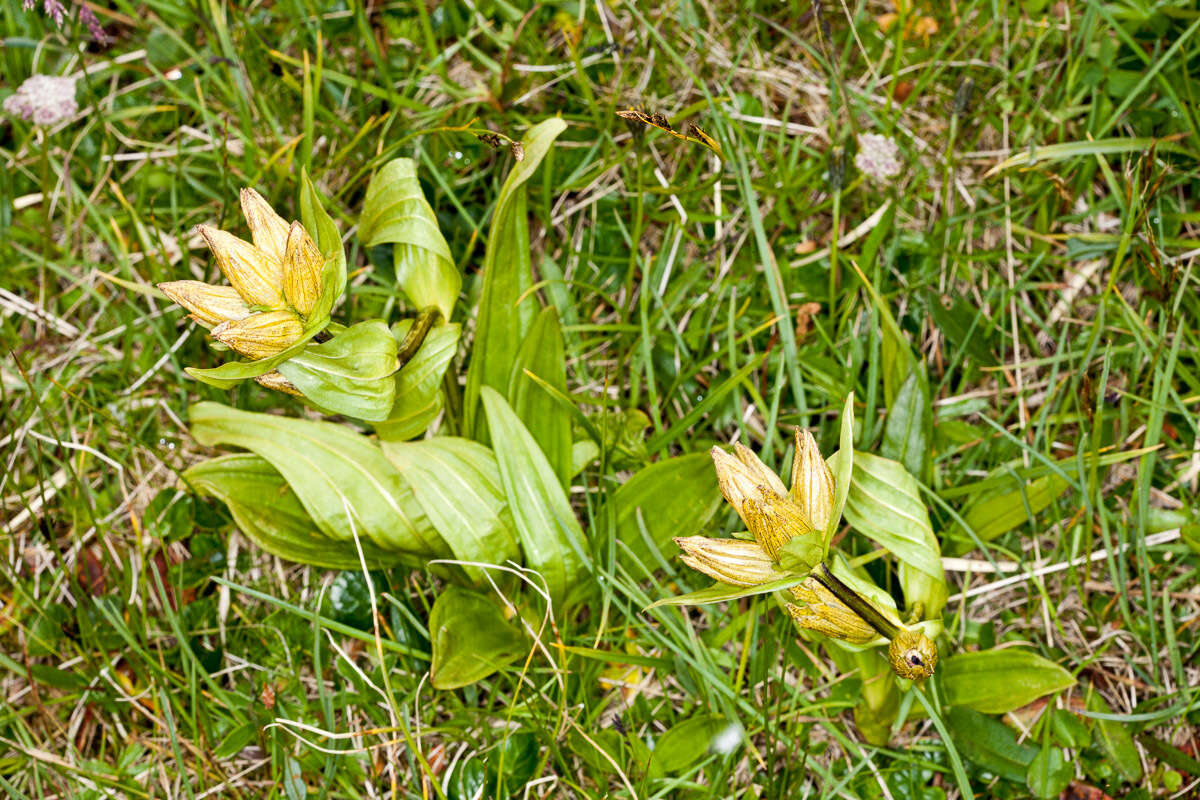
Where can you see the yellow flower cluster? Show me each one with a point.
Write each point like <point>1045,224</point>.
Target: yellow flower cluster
<point>275,283</point>
<point>795,522</point>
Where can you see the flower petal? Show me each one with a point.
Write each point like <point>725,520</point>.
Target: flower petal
<point>773,520</point>
<point>731,561</point>
<point>823,612</point>
<point>256,276</point>
<point>302,265</point>
<point>260,335</point>
<point>210,305</point>
<point>812,481</point>
<point>760,472</point>
<point>268,230</point>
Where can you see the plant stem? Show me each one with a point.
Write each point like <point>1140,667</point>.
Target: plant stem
<point>416,335</point>
<point>857,603</point>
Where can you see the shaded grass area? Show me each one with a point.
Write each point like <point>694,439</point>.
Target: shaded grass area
<point>145,651</point>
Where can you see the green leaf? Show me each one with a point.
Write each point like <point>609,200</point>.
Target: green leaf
<point>505,308</point>
<point>342,478</point>
<point>1069,730</point>
<point>418,394</point>
<point>511,765</point>
<point>320,226</point>
<point>268,512</point>
<point>550,534</point>
<point>965,328</point>
<point>602,750</point>
<point>395,211</point>
<point>885,505</point>
<point>1048,773</point>
<point>720,592</point>
<point>896,355</point>
<point>989,743</point>
<point>1114,738</point>
<point>841,464</point>
<point>908,434</point>
<point>1000,512</point>
<point>294,787</point>
<point>687,742</point>
<point>691,483</point>
<point>457,483</point>
<point>351,373</point>
<point>541,363</point>
<point>466,780</point>
<point>470,637</point>
<point>349,599</point>
<point>1064,150</point>
<point>236,740</point>
<point>999,681</point>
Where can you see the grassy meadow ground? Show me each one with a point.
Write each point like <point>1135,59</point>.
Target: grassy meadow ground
<point>1053,303</point>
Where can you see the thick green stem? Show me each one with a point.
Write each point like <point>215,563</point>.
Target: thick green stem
<point>416,335</point>
<point>857,603</point>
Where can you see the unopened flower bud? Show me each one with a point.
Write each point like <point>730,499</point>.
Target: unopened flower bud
<point>302,263</point>
<point>812,482</point>
<point>275,380</point>
<point>837,168</point>
<point>268,230</point>
<point>731,561</point>
<point>256,276</point>
<point>210,305</point>
<point>823,612</point>
<point>260,335</point>
<point>913,655</point>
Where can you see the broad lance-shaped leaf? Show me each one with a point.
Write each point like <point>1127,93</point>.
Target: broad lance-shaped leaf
<point>418,393</point>
<point>546,418</point>
<point>689,741</point>
<point>998,512</point>
<point>341,477</point>
<point>909,429</point>
<point>990,743</point>
<point>457,483</point>
<point>998,681</point>
<point>690,483</point>
<point>268,512</point>
<point>550,534</point>
<point>350,374</point>
<point>841,464</point>
<point>320,226</point>
<point>720,592</point>
<point>1114,739</point>
<point>395,211</point>
<point>470,637</point>
<point>885,504</point>
<point>506,308</point>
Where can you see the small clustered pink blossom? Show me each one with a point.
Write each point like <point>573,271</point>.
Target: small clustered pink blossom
<point>88,18</point>
<point>52,8</point>
<point>44,99</point>
<point>878,156</point>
